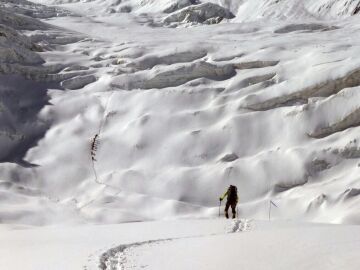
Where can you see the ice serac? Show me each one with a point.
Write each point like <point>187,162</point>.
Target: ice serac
<point>207,13</point>
<point>174,6</point>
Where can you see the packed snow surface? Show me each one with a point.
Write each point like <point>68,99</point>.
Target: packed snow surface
<point>149,114</point>
<point>183,244</point>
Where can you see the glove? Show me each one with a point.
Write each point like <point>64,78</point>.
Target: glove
<point>220,199</point>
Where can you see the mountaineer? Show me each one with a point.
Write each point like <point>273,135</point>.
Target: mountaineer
<point>232,200</point>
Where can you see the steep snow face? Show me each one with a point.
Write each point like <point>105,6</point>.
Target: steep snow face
<point>334,8</point>
<point>123,119</point>
<point>250,10</point>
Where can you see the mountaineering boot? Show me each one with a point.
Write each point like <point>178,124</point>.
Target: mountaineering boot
<point>234,215</point>
<point>226,215</point>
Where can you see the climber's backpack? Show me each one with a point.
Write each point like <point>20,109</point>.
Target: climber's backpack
<point>232,193</point>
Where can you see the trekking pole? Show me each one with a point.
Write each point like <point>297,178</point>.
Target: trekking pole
<point>269,210</point>
<point>219,207</point>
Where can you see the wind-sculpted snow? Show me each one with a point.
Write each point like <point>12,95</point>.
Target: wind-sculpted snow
<point>149,61</point>
<point>335,8</point>
<point>247,10</point>
<point>326,88</point>
<point>255,64</point>
<point>351,120</point>
<point>311,27</point>
<point>270,106</point>
<point>78,82</point>
<point>46,74</point>
<point>335,121</point>
<point>175,76</point>
<point>251,10</point>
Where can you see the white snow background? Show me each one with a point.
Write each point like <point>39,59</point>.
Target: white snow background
<point>123,121</point>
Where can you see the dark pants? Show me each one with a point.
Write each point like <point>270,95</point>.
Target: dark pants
<point>233,208</point>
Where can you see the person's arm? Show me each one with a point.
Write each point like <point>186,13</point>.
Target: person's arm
<point>224,195</point>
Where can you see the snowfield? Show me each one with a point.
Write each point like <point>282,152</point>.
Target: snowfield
<point>141,112</point>
<point>183,244</point>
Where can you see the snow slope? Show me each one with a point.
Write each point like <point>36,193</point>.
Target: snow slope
<point>116,111</point>
<point>118,125</point>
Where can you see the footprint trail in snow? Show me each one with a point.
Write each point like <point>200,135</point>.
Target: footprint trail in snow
<point>122,257</point>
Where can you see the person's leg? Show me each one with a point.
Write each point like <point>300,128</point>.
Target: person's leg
<point>226,209</point>
<point>233,209</point>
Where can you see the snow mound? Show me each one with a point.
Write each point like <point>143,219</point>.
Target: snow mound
<point>78,82</point>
